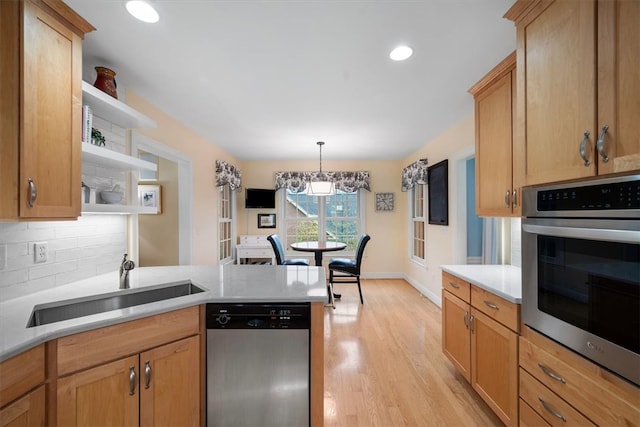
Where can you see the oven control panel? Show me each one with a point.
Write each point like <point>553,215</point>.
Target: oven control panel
<point>610,196</point>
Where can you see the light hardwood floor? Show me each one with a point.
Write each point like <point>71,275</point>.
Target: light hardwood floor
<point>384,364</point>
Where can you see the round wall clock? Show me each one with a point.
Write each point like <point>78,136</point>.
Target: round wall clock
<point>384,201</point>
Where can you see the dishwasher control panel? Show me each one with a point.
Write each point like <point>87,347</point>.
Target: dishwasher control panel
<point>258,316</point>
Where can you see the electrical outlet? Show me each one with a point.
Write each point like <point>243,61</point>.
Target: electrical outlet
<point>40,252</point>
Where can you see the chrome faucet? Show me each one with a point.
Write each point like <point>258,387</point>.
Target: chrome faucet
<point>126,266</point>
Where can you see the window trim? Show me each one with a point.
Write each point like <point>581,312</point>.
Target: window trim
<point>282,225</point>
<point>411,223</point>
<point>232,220</point>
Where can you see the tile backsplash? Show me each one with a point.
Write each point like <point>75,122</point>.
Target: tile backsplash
<point>92,245</point>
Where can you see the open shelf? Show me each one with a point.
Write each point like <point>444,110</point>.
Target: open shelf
<point>88,208</point>
<point>113,159</point>
<point>112,110</point>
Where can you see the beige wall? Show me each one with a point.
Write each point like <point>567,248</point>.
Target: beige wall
<point>385,252</point>
<point>203,153</point>
<point>158,234</point>
<point>445,244</point>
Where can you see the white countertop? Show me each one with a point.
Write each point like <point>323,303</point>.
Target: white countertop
<point>502,280</point>
<point>229,283</point>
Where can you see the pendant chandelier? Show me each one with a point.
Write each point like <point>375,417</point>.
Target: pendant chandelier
<point>323,186</point>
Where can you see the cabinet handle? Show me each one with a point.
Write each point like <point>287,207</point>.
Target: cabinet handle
<point>132,380</point>
<point>551,374</point>
<point>507,199</point>
<point>514,198</point>
<point>33,193</point>
<point>454,286</point>
<point>471,319</point>
<point>552,411</point>
<point>466,319</point>
<point>583,148</point>
<point>491,305</point>
<point>147,374</point>
<point>600,144</point>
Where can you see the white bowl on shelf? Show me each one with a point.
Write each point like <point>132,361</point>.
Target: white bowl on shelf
<point>111,197</point>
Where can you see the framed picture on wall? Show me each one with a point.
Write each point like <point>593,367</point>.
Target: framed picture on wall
<point>150,196</point>
<point>266,220</point>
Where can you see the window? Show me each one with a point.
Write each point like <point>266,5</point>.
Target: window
<point>225,224</point>
<point>339,218</point>
<point>418,223</point>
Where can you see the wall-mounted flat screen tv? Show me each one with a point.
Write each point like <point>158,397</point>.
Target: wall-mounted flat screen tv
<point>438,188</point>
<point>259,198</point>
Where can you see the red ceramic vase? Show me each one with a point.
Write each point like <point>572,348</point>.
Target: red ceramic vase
<point>106,81</point>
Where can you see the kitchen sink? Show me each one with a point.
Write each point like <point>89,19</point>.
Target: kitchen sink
<point>44,314</point>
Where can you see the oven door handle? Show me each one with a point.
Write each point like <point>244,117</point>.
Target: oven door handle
<point>621,236</point>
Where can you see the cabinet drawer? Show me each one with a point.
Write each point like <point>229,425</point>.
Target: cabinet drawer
<point>92,348</point>
<point>21,373</point>
<point>497,308</point>
<point>254,240</point>
<point>529,417</point>
<point>255,253</point>
<point>548,405</point>
<point>456,286</point>
<point>600,395</point>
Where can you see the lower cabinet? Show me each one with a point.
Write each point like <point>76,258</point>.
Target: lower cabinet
<point>145,372</point>
<point>157,387</point>
<point>483,349</point>
<point>494,365</point>
<point>28,411</point>
<point>564,389</point>
<point>22,390</point>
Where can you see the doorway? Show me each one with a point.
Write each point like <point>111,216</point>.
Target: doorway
<point>165,238</point>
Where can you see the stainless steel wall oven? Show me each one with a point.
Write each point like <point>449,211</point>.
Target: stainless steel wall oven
<point>581,268</point>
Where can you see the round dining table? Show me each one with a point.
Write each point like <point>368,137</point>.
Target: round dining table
<point>318,248</point>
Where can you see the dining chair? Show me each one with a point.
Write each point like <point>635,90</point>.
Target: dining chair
<point>279,252</point>
<point>345,270</point>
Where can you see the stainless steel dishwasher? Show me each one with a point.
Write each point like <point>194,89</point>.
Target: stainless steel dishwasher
<point>258,365</point>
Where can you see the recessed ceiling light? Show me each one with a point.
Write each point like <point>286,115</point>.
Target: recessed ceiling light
<point>401,53</point>
<point>143,11</point>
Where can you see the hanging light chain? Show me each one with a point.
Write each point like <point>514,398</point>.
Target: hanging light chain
<point>320,144</point>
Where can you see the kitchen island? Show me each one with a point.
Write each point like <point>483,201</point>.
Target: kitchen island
<point>78,350</point>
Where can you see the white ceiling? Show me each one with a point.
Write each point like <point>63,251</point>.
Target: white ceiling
<point>267,79</point>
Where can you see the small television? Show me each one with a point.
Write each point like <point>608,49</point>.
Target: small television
<point>259,198</point>
<point>438,188</point>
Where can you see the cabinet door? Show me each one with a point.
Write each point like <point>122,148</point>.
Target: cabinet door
<point>618,86</point>
<point>493,149</point>
<point>170,384</point>
<point>559,89</point>
<point>103,396</point>
<point>26,412</point>
<point>494,366</point>
<point>455,333</point>
<point>51,119</point>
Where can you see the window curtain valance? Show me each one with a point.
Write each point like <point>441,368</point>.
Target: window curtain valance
<point>228,174</point>
<point>296,182</point>
<point>415,173</point>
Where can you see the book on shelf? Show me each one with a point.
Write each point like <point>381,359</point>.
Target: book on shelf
<point>87,123</point>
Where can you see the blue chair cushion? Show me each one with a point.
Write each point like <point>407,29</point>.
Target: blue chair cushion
<point>344,264</point>
<point>296,262</point>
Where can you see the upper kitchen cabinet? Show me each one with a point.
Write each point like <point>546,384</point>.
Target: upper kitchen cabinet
<point>578,86</point>
<point>41,109</point>
<point>498,175</point>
